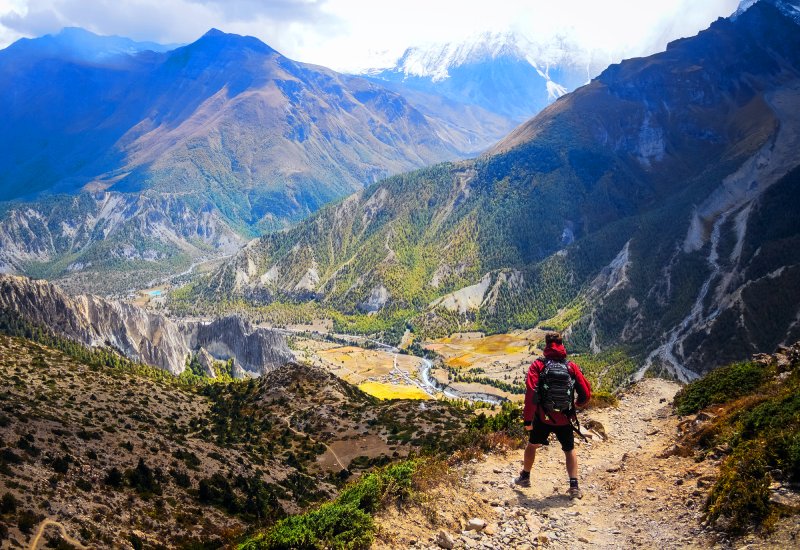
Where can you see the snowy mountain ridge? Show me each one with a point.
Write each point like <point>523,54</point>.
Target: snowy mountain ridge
<point>436,61</point>
<point>791,8</point>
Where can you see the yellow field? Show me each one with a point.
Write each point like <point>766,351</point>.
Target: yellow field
<point>461,361</point>
<point>392,391</point>
<point>476,350</point>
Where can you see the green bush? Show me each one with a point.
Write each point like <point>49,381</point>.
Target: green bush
<point>347,521</point>
<point>332,525</point>
<point>741,493</point>
<point>508,420</point>
<point>762,430</point>
<point>719,386</point>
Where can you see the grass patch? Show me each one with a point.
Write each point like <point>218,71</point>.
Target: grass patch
<point>602,399</point>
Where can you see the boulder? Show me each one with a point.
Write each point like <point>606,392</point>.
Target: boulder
<point>445,540</point>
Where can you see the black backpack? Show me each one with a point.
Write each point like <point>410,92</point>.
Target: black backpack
<point>556,388</point>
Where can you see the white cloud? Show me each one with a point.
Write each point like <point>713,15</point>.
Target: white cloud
<point>352,34</point>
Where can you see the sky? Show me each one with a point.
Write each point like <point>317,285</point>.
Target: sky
<point>351,35</point>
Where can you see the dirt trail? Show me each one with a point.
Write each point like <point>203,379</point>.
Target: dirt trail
<point>50,522</point>
<point>632,498</point>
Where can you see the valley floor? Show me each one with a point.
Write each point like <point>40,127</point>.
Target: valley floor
<point>633,497</point>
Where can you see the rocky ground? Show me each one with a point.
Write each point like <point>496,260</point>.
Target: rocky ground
<point>635,495</point>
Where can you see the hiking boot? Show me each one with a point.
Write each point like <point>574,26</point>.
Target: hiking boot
<point>575,493</point>
<point>523,480</point>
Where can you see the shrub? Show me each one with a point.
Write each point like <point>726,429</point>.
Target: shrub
<point>181,478</point>
<point>741,493</point>
<point>83,484</point>
<point>114,477</point>
<point>602,399</point>
<point>332,525</point>
<point>144,480</point>
<point>26,521</point>
<point>369,492</point>
<point>719,386</point>
<point>346,522</point>
<point>61,464</point>
<point>218,490</point>
<point>8,504</point>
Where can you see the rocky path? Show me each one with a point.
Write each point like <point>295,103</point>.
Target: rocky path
<point>34,544</point>
<point>632,497</point>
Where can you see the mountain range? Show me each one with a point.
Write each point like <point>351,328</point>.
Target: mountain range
<point>114,156</point>
<point>651,210</point>
<point>502,72</point>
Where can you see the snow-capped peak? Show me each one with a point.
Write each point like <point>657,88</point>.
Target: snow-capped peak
<point>435,60</point>
<point>790,8</point>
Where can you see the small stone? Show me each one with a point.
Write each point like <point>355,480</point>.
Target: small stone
<point>445,540</point>
<point>650,490</point>
<point>490,529</point>
<point>476,524</point>
<point>593,529</point>
<point>583,539</point>
<point>703,482</point>
<point>534,525</point>
<point>704,416</point>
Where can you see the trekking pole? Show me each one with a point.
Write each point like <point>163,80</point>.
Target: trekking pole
<point>577,426</point>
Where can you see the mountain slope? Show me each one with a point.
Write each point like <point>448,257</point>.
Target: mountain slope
<point>124,458</point>
<point>224,128</point>
<point>654,201</point>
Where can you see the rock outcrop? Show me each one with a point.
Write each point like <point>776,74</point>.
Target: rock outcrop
<point>254,350</point>
<point>138,334</point>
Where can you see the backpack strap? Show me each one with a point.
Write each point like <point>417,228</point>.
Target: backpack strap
<point>538,393</point>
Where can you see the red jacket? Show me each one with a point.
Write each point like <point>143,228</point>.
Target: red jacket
<point>583,392</point>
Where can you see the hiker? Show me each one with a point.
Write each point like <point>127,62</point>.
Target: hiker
<point>555,387</point>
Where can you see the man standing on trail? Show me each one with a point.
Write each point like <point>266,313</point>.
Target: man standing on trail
<point>554,388</point>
